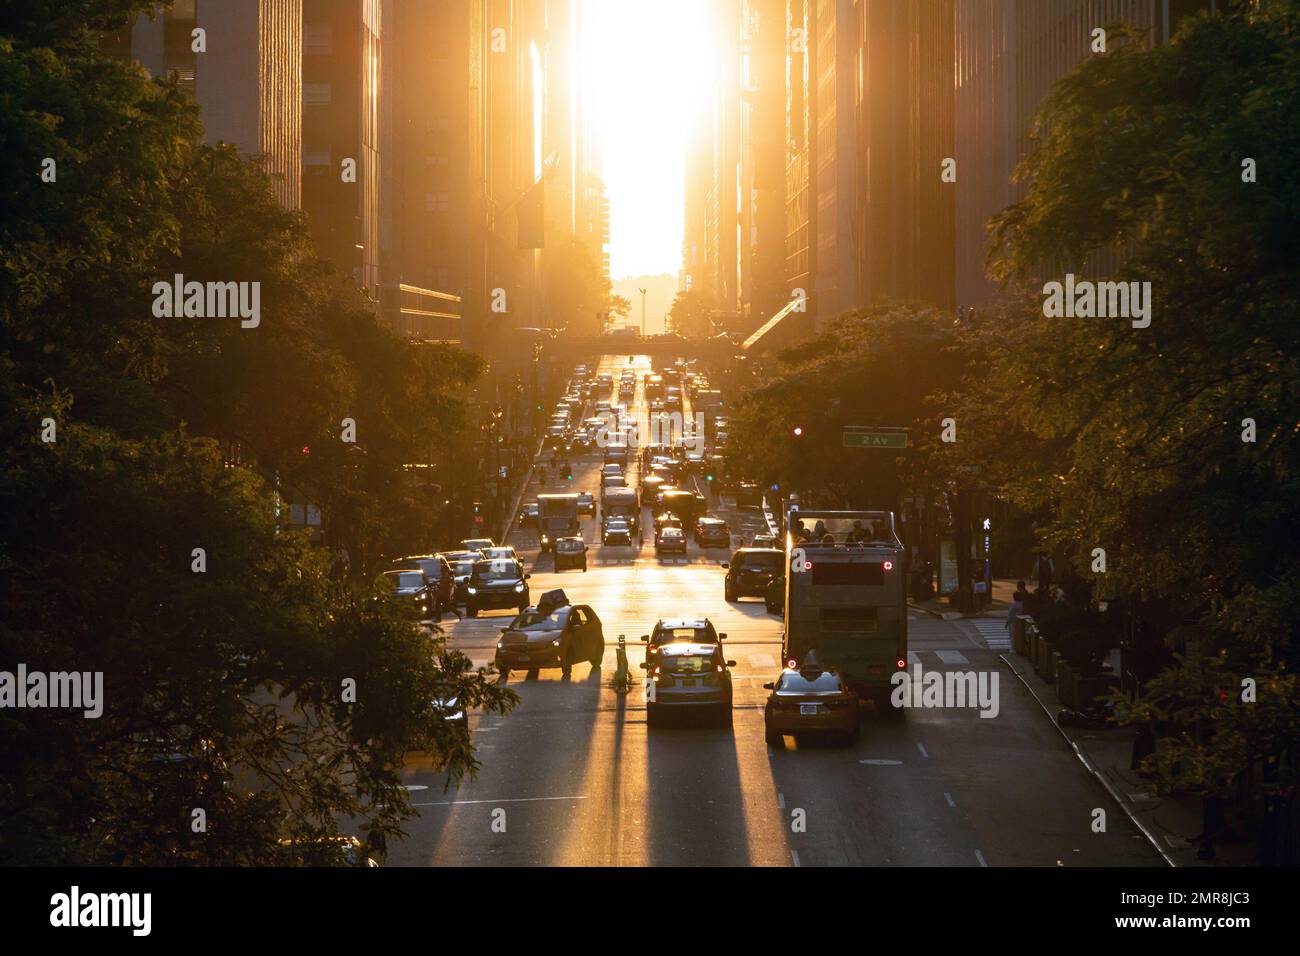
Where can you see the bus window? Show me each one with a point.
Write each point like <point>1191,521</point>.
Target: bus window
<point>871,573</point>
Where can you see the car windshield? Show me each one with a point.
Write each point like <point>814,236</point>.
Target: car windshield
<point>810,682</point>
<point>565,544</point>
<point>501,569</point>
<point>406,579</point>
<point>761,561</point>
<point>533,620</point>
<point>462,567</point>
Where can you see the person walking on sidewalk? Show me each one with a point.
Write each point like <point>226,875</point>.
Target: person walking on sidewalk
<point>1017,603</point>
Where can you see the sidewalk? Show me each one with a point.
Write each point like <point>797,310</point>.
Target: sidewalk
<point>1170,824</point>
<point>1003,589</point>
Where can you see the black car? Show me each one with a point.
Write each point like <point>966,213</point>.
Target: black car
<point>499,583</point>
<point>462,566</point>
<point>750,571</point>
<point>570,553</point>
<point>551,636</point>
<point>712,533</point>
<point>411,588</point>
<point>616,531</point>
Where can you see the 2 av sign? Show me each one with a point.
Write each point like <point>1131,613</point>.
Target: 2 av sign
<point>875,439</point>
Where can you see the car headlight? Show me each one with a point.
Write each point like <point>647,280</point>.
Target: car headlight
<point>472,590</point>
<point>500,644</point>
<point>520,587</point>
<point>556,642</point>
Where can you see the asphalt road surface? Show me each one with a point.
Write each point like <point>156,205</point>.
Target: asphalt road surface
<point>573,777</point>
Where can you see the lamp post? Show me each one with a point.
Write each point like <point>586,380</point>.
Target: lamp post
<point>642,291</point>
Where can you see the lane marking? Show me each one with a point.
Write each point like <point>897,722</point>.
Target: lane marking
<point>952,657</point>
<point>794,855</point>
<point>948,796</point>
<point>780,801</point>
<point>913,658</point>
<point>882,763</point>
<point>921,747</point>
<point>414,786</point>
<point>980,856</point>
<point>455,803</point>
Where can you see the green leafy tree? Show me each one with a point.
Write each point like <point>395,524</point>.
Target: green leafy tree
<point>689,315</point>
<point>1186,158</point>
<point>224,683</point>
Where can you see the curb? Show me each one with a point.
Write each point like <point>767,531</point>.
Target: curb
<point>528,480</point>
<point>1083,758</point>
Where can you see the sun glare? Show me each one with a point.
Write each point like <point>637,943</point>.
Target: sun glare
<point>647,70</point>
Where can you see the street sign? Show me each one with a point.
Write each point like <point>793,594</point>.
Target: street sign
<point>875,439</point>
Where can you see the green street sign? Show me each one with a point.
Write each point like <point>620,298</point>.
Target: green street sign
<point>866,439</point>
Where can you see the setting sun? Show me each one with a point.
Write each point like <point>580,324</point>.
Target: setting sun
<point>647,70</point>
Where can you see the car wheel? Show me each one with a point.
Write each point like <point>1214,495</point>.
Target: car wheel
<point>471,611</point>
<point>724,715</point>
<point>522,608</point>
<point>651,716</point>
<point>774,739</point>
<point>729,593</point>
<point>505,673</point>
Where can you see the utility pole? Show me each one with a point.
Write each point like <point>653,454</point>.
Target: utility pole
<point>642,291</point>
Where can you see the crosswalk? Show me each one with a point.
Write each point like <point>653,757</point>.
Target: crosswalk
<point>994,633</point>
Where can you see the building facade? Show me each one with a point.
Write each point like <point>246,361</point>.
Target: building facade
<point>244,70</point>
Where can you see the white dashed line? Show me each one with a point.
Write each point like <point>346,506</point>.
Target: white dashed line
<point>952,657</point>
<point>980,856</point>
<point>780,801</point>
<point>921,747</point>
<point>951,802</point>
<point>794,856</point>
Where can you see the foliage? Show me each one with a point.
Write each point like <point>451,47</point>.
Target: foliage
<point>880,367</point>
<point>223,688</point>
<point>1131,439</point>
<point>689,315</point>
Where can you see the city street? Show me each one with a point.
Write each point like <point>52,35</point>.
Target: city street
<point>583,781</point>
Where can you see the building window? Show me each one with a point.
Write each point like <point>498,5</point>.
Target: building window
<point>317,39</point>
<point>316,94</point>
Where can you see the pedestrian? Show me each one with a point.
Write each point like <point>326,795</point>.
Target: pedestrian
<point>1044,569</point>
<point>1017,603</point>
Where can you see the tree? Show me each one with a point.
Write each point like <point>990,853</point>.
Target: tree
<point>149,542</point>
<point>1173,446</point>
<point>689,315</point>
<point>576,291</point>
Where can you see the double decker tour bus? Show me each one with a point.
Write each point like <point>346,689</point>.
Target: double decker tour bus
<point>845,597</point>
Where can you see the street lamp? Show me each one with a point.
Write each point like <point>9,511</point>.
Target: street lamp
<point>642,291</point>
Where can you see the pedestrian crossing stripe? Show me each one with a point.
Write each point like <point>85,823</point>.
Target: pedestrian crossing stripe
<point>995,634</point>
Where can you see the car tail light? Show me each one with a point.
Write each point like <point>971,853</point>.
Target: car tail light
<point>719,668</point>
